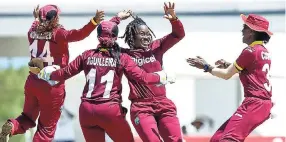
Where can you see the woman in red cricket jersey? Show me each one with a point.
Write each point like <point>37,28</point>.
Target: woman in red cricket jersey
<point>49,41</point>
<point>253,66</point>
<point>152,113</point>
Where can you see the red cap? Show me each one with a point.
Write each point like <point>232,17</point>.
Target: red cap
<point>46,9</point>
<point>107,33</point>
<point>107,29</point>
<point>256,23</point>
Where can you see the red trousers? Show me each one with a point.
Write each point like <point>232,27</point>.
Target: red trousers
<point>98,119</point>
<point>40,100</point>
<point>250,114</point>
<point>153,118</point>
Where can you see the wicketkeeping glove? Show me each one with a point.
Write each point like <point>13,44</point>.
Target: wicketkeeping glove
<point>166,78</point>
<point>46,72</point>
<point>36,65</point>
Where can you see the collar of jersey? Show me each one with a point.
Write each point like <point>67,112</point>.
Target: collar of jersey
<point>103,49</point>
<point>256,43</point>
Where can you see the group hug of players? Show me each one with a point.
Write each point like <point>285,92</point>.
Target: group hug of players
<point>153,115</point>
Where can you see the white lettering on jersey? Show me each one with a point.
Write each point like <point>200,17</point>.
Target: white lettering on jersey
<point>44,35</point>
<point>265,56</point>
<point>104,62</point>
<point>142,61</point>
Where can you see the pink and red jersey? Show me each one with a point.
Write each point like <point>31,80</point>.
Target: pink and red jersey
<point>103,77</point>
<point>254,65</point>
<point>152,61</point>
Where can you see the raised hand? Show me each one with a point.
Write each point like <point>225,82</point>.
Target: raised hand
<point>36,12</point>
<point>170,13</point>
<point>99,16</point>
<point>124,14</point>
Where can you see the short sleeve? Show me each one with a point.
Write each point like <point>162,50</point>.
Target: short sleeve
<point>245,59</point>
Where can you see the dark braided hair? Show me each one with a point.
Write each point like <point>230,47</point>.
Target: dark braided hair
<point>130,31</point>
<point>113,51</point>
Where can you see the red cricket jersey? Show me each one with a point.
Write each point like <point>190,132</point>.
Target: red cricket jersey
<point>152,61</point>
<point>53,46</point>
<point>103,78</point>
<point>254,65</point>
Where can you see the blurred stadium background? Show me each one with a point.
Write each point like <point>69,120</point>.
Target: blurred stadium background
<point>213,30</point>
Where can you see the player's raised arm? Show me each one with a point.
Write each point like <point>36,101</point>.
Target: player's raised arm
<point>73,68</point>
<point>36,20</point>
<point>132,71</point>
<point>80,34</point>
<point>178,31</point>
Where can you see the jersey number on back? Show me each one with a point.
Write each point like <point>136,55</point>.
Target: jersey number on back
<point>266,68</point>
<point>108,78</point>
<point>45,55</point>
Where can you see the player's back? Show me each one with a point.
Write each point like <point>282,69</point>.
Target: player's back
<point>103,77</point>
<point>256,77</point>
<point>52,45</point>
<point>49,46</point>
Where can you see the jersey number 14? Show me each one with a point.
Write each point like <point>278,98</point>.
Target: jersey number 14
<point>45,55</point>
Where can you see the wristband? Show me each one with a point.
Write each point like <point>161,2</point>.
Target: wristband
<point>93,22</point>
<point>207,68</point>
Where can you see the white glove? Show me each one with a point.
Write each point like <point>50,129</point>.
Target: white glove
<point>46,72</point>
<point>171,77</point>
<point>166,78</point>
<point>273,111</point>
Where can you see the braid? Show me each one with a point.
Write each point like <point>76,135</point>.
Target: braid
<point>113,51</point>
<point>116,53</point>
<point>130,31</point>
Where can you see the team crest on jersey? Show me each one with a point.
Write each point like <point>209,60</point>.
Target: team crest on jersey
<point>142,61</point>
<point>137,120</point>
<point>44,35</point>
